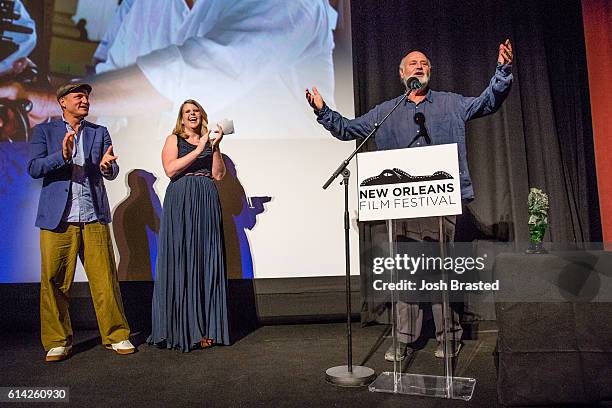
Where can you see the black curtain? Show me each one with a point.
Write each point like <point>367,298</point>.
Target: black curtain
<point>541,137</point>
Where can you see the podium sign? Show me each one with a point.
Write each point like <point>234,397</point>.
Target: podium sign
<point>409,183</point>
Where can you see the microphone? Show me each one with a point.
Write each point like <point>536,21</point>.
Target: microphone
<point>419,119</point>
<point>412,84</point>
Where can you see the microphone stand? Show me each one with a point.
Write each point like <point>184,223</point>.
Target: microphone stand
<point>419,135</point>
<point>349,375</point>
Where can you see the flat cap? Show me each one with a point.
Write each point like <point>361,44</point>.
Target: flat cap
<point>71,87</point>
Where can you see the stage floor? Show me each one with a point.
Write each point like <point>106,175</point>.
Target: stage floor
<point>274,366</point>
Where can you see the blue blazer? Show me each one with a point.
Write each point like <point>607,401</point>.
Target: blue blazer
<point>46,162</point>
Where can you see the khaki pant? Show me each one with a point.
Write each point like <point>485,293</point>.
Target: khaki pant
<point>59,250</point>
<point>410,322</point>
<point>410,315</point>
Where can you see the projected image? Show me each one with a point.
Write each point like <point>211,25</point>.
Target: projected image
<point>247,60</point>
<point>237,57</point>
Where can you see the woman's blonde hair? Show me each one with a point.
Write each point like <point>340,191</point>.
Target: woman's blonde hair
<point>179,128</point>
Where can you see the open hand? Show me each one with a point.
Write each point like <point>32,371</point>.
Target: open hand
<point>107,160</point>
<point>315,99</point>
<point>505,53</point>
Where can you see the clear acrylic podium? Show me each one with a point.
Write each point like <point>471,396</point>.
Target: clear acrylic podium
<point>389,181</point>
<point>397,382</point>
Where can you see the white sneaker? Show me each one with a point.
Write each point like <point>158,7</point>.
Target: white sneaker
<point>399,354</point>
<point>455,348</point>
<point>58,353</point>
<point>123,347</point>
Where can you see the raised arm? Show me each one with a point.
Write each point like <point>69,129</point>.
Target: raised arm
<point>339,126</point>
<point>496,92</point>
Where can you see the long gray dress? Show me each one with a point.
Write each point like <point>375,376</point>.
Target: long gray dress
<point>189,298</point>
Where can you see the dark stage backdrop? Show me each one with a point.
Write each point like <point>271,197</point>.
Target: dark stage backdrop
<point>541,137</point>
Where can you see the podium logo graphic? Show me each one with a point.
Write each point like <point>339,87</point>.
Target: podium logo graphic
<point>396,188</point>
<point>397,176</point>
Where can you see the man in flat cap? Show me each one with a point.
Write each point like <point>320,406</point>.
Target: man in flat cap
<point>73,156</point>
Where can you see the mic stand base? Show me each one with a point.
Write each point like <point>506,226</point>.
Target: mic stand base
<point>342,377</point>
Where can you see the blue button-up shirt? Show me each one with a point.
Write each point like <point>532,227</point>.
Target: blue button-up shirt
<point>445,116</point>
<point>80,207</point>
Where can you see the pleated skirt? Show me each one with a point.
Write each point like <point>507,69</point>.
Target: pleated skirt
<point>190,292</point>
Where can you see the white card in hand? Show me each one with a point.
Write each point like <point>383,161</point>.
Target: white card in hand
<point>227,125</point>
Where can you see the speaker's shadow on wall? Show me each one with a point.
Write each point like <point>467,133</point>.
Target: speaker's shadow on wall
<point>136,226</point>
<point>239,215</point>
<point>136,222</point>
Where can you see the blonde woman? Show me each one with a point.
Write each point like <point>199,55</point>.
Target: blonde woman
<point>189,299</point>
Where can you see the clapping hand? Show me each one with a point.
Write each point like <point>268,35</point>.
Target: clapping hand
<point>505,53</point>
<point>68,145</point>
<point>215,137</point>
<point>107,160</point>
<point>205,138</point>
